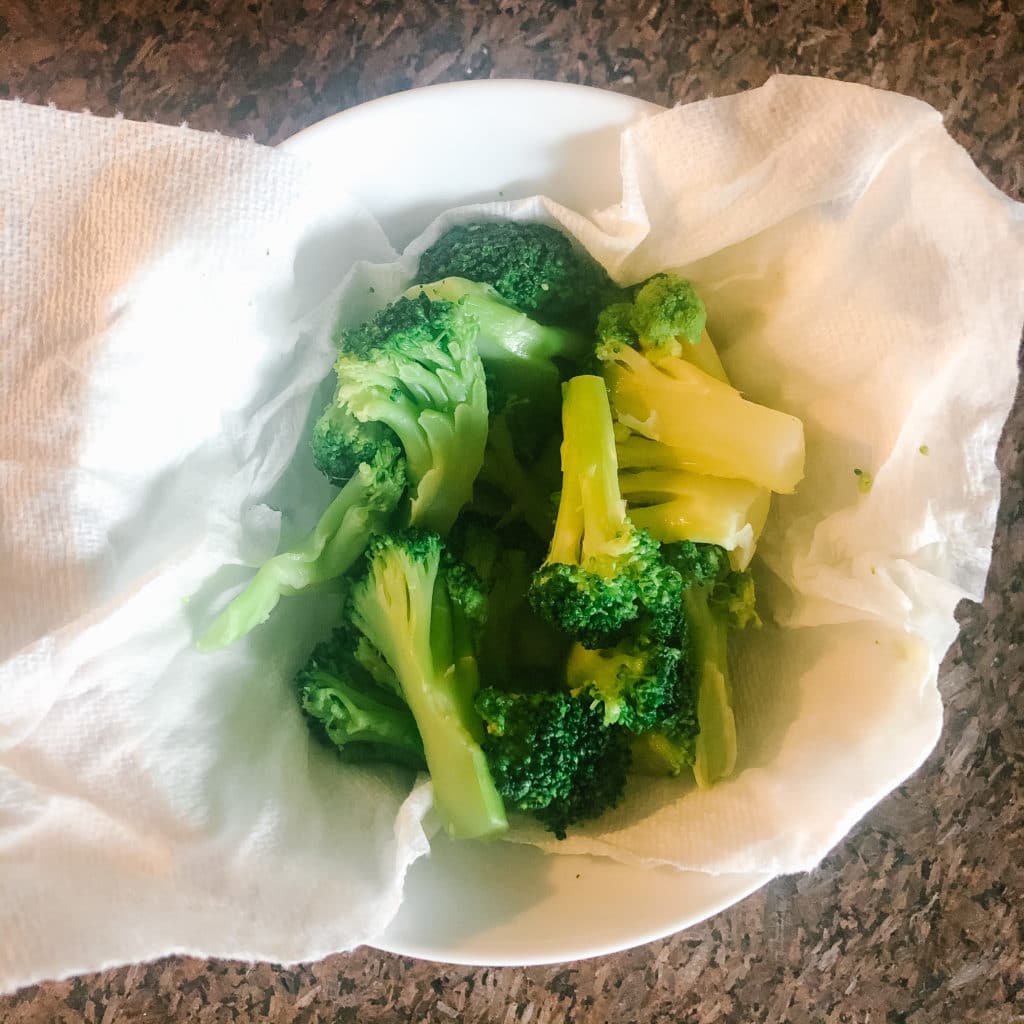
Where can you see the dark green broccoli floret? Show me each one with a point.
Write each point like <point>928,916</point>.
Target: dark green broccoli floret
<point>552,755</point>
<point>364,506</point>
<point>411,376</point>
<point>365,720</point>
<point>636,682</point>
<point>420,613</point>
<point>533,266</point>
<point>339,443</point>
<point>698,564</point>
<point>601,573</point>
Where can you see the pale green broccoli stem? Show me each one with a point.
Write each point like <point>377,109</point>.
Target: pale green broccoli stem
<point>716,742</point>
<point>337,540</point>
<point>465,798</point>
<point>590,450</point>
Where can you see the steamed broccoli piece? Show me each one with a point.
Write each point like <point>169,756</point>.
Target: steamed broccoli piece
<point>514,477</point>
<point>363,506</point>
<point>532,266</point>
<point>519,353</point>
<point>422,612</point>
<point>340,442</point>
<point>601,573</point>
<point>715,600</point>
<point>712,429</point>
<point>636,683</point>
<point>552,755</point>
<point>365,720</point>
<point>674,504</point>
<point>514,643</point>
<point>665,318</point>
<point>410,380</point>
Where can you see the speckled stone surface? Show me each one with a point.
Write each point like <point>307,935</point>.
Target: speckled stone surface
<point>917,917</point>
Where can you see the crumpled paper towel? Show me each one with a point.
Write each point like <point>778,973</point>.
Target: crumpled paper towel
<point>160,366</point>
<point>156,377</point>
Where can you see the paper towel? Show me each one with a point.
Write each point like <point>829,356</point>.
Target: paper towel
<point>858,271</point>
<point>157,371</point>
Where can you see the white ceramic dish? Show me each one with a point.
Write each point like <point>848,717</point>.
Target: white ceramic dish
<point>408,157</point>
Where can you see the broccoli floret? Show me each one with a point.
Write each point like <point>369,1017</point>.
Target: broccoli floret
<point>365,720</point>
<point>552,755</point>
<point>533,266</point>
<point>715,600</point>
<point>601,572</point>
<point>635,682</point>
<point>521,354</point>
<point>339,444</point>
<point>668,314</point>
<point>420,613</point>
<point>665,318</point>
<point>365,505</point>
<point>412,377</point>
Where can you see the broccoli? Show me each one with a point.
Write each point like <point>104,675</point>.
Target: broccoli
<point>673,503</point>
<point>410,379</point>
<point>532,266</point>
<point>636,683</point>
<point>552,755</point>
<point>714,430</point>
<point>514,475</point>
<point>365,718</point>
<point>716,599</point>
<point>601,573</point>
<point>514,643</point>
<point>665,318</point>
<point>671,472</point>
<point>519,353</point>
<point>421,611</point>
<point>363,506</point>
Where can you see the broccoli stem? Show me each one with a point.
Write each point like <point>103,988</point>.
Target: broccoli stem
<point>395,609</point>
<point>716,742</point>
<point>674,504</point>
<point>703,355</point>
<point>337,540</point>
<point>590,467</point>
<point>717,431</point>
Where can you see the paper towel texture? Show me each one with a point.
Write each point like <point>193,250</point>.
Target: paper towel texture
<point>156,377</point>
<point>160,363</point>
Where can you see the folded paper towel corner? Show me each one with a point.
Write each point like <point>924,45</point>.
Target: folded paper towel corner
<point>162,351</point>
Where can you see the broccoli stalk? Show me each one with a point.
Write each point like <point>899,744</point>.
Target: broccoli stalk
<point>601,573</point>
<point>362,507</point>
<point>673,504</point>
<point>418,614</point>
<point>715,601</point>
<point>714,430</point>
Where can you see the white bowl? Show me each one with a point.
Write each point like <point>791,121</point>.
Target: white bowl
<point>407,158</point>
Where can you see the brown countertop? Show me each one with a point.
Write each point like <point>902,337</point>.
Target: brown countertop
<point>916,918</point>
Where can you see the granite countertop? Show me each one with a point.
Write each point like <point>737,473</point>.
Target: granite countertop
<point>916,918</point>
